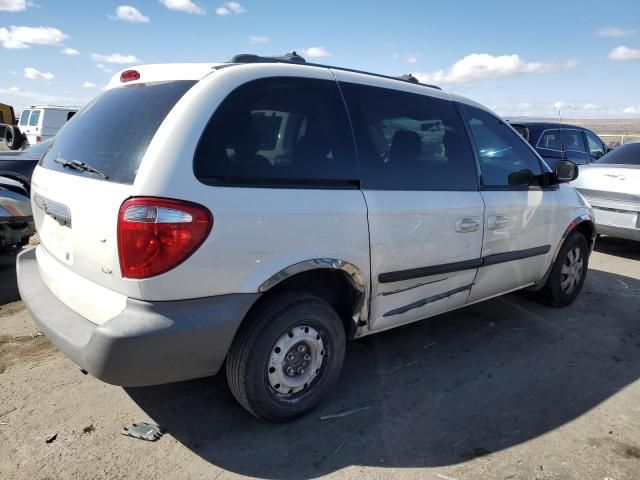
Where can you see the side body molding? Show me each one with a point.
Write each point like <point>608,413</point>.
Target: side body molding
<point>352,273</point>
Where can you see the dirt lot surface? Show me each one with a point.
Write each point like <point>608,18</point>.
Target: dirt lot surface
<point>506,389</point>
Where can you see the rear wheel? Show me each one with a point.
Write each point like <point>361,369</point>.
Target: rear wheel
<point>13,137</point>
<point>287,356</point>
<point>568,272</point>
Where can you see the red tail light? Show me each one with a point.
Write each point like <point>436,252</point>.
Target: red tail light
<point>38,139</point>
<point>129,76</point>
<point>157,234</point>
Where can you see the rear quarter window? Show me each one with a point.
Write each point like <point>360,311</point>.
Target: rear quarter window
<point>112,132</point>
<point>279,132</point>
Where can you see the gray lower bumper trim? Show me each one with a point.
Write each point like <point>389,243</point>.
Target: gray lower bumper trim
<point>148,343</point>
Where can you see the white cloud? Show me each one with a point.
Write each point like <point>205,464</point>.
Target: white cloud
<point>88,84</point>
<point>480,66</point>
<point>24,37</point>
<point>13,5</point>
<point>624,53</point>
<point>35,74</point>
<point>258,39</point>
<point>412,60</point>
<point>614,32</point>
<point>115,58</point>
<point>186,6</point>
<point>229,8</point>
<point>130,14</point>
<point>590,106</point>
<point>235,7</point>
<point>36,97</point>
<point>316,52</point>
<point>103,67</point>
<point>69,51</point>
<point>633,110</point>
<point>562,105</point>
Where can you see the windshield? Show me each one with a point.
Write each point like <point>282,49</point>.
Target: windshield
<point>112,133</point>
<point>627,154</point>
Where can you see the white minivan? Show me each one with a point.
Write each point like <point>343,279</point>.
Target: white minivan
<point>254,215</point>
<point>40,122</point>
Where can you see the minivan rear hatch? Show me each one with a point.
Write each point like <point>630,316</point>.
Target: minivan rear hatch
<point>79,186</point>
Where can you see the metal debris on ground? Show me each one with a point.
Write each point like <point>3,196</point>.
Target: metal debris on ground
<point>343,414</point>
<point>144,431</point>
<point>8,411</point>
<point>337,449</point>
<point>51,438</point>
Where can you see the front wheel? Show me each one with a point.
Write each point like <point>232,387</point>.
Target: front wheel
<point>568,272</point>
<point>287,356</point>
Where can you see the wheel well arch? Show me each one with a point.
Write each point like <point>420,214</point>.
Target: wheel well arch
<point>588,229</point>
<point>583,224</point>
<point>337,282</point>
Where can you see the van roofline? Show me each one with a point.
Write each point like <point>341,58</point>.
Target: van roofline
<point>197,71</point>
<point>53,107</point>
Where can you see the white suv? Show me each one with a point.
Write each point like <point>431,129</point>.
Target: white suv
<point>260,212</point>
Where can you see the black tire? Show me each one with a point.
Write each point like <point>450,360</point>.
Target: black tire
<point>253,349</point>
<point>556,291</point>
<point>13,137</point>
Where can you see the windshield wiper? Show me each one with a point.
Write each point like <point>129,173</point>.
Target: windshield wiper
<point>81,166</point>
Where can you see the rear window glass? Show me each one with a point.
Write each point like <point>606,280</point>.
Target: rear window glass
<point>24,117</point>
<point>112,133</point>
<point>627,154</point>
<point>33,119</point>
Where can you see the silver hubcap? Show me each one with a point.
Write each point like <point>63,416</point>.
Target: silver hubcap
<point>571,271</point>
<point>295,360</point>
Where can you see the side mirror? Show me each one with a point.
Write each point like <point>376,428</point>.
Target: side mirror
<point>521,178</point>
<point>566,171</point>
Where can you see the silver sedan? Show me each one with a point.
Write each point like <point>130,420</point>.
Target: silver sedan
<point>611,185</point>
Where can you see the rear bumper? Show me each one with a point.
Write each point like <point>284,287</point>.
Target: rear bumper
<point>619,232</point>
<point>148,343</point>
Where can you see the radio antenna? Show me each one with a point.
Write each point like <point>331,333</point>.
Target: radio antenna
<point>562,153</point>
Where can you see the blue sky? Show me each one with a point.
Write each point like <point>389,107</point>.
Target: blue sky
<point>518,58</point>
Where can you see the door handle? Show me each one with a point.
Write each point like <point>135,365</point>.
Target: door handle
<point>467,224</point>
<point>496,222</point>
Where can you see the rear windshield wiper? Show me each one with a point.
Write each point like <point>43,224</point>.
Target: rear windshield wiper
<point>81,166</point>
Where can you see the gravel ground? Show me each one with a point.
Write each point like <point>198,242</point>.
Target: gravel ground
<point>505,389</point>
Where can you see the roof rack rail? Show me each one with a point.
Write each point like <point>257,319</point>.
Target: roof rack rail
<point>290,57</point>
<point>294,58</point>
